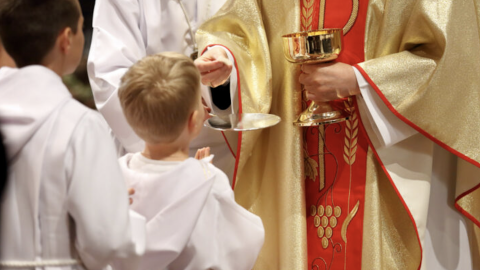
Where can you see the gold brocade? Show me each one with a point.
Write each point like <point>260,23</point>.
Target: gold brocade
<point>389,238</point>
<point>426,65</point>
<point>270,179</point>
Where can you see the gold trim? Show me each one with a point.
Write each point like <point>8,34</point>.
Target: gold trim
<point>321,157</point>
<point>348,220</point>
<point>307,15</point>
<point>321,17</point>
<point>352,19</point>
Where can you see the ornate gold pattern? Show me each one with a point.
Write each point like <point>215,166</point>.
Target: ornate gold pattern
<point>324,221</point>
<point>321,210</point>
<point>328,232</point>
<point>313,210</point>
<point>320,232</point>
<point>307,15</point>
<point>321,16</point>
<point>316,221</point>
<point>329,211</point>
<point>311,167</point>
<point>333,222</point>
<point>351,134</point>
<point>337,211</point>
<point>347,221</point>
<point>324,242</point>
<point>353,17</point>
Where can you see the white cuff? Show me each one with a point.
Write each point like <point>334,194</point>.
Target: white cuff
<point>386,125</point>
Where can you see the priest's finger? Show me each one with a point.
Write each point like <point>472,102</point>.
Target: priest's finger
<point>131,191</point>
<point>206,67</point>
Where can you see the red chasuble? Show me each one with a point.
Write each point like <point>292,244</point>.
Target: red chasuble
<point>335,154</point>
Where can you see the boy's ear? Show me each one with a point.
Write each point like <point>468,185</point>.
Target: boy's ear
<point>193,121</point>
<point>64,40</point>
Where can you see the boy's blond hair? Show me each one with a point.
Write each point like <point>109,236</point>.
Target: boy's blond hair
<point>158,94</point>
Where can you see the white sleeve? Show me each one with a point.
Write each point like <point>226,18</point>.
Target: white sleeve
<point>236,234</point>
<point>117,44</point>
<point>98,201</point>
<point>387,127</point>
<point>233,79</point>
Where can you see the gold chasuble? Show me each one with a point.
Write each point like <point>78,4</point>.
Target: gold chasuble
<point>325,198</point>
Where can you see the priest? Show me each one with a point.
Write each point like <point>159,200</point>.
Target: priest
<point>378,190</point>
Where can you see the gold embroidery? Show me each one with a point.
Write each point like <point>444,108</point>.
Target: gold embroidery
<point>351,134</point>
<point>321,210</point>
<point>310,166</point>
<point>313,210</point>
<point>350,22</point>
<point>353,17</point>
<point>320,232</point>
<point>328,232</point>
<point>324,221</point>
<point>321,157</point>
<point>337,211</point>
<point>347,221</point>
<point>321,16</point>
<point>329,211</point>
<point>333,222</point>
<point>316,221</point>
<point>307,15</point>
<point>324,242</point>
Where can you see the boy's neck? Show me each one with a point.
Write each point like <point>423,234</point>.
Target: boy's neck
<point>166,152</point>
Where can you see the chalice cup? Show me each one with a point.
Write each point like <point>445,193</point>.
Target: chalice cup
<point>312,47</point>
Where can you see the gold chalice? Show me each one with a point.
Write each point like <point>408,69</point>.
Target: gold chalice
<point>311,47</point>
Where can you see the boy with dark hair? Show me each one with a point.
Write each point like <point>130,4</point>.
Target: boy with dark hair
<point>65,205</point>
<point>193,221</point>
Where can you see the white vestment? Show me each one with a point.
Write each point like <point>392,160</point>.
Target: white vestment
<point>193,221</point>
<point>125,32</point>
<point>65,198</point>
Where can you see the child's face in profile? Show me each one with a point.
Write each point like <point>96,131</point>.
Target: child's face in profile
<point>78,41</point>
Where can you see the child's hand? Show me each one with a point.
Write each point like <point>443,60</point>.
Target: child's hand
<point>202,153</point>
<point>131,191</point>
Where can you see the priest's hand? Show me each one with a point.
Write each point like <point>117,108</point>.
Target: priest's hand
<point>214,67</point>
<point>329,81</point>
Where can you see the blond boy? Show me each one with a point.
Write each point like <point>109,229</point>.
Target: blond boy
<point>193,221</point>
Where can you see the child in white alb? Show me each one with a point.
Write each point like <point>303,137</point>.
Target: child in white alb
<point>193,221</point>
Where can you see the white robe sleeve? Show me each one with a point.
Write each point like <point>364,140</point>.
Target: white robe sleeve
<point>117,44</point>
<point>388,128</point>
<point>226,236</point>
<point>98,200</point>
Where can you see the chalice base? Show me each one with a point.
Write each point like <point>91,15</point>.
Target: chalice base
<point>316,115</point>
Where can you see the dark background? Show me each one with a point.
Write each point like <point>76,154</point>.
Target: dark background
<point>78,83</point>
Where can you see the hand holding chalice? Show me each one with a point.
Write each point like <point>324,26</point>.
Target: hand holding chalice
<point>312,47</point>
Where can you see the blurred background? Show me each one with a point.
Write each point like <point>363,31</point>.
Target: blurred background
<point>78,83</point>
